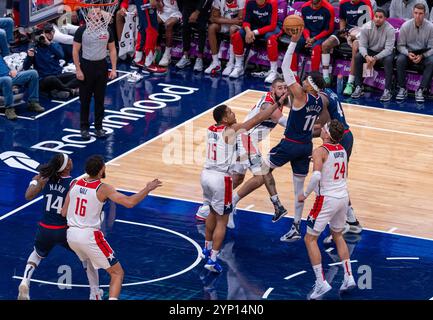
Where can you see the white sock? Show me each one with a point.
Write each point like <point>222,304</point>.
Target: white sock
<point>112,298</point>
<point>138,56</point>
<point>239,61</point>
<point>347,267</point>
<point>274,66</point>
<point>214,254</point>
<point>149,59</point>
<point>326,59</point>
<point>208,245</point>
<point>215,58</point>
<point>235,199</point>
<point>350,215</point>
<point>325,72</point>
<point>231,55</point>
<point>32,261</point>
<point>351,79</point>
<point>167,51</point>
<point>298,186</point>
<point>275,199</point>
<point>318,271</point>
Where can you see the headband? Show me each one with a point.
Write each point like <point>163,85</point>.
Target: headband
<point>311,82</point>
<point>326,127</point>
<point>65,162</point>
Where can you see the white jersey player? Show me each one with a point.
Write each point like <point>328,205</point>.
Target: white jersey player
<point>169,15</point>
<point>83,211</point>
<point>248,155</point>
<point>216,178</point>
<point>329,182</point>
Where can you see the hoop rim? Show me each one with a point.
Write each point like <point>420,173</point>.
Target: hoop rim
<point>79,4</point>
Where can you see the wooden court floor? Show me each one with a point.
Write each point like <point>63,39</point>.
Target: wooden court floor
<point>390,172</point>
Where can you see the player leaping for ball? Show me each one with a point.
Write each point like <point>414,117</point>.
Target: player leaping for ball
<point>296,146</point>
<point>216,177</point>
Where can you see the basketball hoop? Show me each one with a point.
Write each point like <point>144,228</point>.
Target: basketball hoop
<point>96,13</point>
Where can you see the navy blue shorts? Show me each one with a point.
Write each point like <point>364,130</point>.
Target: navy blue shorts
<point>298,154</point>
<point>46,239</point>
<point>347,143</point>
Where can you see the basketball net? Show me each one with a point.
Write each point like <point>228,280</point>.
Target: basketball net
<point>96,13</point>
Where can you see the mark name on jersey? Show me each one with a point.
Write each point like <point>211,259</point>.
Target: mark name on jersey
<point>83,190</point>
<point>315,108</point>
<point>57,187</point>
<point>339,154</point>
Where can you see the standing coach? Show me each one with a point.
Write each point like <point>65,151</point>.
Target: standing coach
<point>92,71</point>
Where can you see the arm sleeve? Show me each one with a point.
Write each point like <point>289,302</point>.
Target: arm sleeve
<point>110,36</point>
<point>247,16</point>
<point>314,182</point>
<point>274,19</point>
<point>28,61</point>
<point>78,37</point>
<point>430,44</point>
<point>389,44</point>
<point>330,27</point>
<point>288,75</point>
<point>363,41</point>
<point>282,121</point>
<point>57,50</point>
<point>401,44</point>
<point>393,9</point>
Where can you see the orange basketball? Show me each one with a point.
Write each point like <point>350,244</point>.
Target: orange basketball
<point>293,24</point>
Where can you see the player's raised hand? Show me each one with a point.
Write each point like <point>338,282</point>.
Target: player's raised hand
<point>152,185</point>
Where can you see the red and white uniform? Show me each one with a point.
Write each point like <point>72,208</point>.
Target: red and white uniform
<point>170,10</point>
<point>248,143</point>
<point>84,218</point>
<point>332,196</point>
<point>228,10</point>
<point>216,180</point>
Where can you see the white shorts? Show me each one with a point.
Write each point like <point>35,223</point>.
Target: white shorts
<point>217,191</point>
<point>90,244</point>
<point>169,13</point>
<point>327,210</point>
<point>249,157</point>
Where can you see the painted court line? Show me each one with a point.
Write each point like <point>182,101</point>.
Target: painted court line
<point>295,275</point>
<point>271,214</point>
<point>133,149</point>
<point>392,230</point>
<point>20,117</point>
<point>368,107</point>
<point>338,263</point>
<point>402,258</point>
<point>267,293</point>
<point>20,208</point>
<point>75,99</point>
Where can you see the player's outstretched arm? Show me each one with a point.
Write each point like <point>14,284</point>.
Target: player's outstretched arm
<point>260,117</point>
<point>319,157</point>
<point>108,192</point>
<point>35,187</point>
<point>288,75</point>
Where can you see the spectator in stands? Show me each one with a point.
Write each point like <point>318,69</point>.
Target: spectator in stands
<point>169,15</point>
<point>403,8</point>
<point>226,17</point>
<point>415,45</point>
<point>376,47</point>
<point>6,35</point>
<point>261,18</point>
<point>10,78</point>
<point>197,13</point>
<point>147,36</point>
<point>45,59</point>
<point>319,18</point>
<point>353,14</point>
